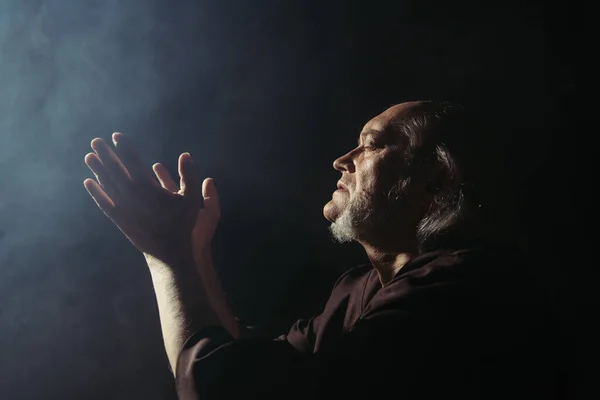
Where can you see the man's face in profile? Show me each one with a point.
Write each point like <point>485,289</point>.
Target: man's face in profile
<point>362,201</point>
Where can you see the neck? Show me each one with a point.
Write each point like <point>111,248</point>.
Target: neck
<point>390,250</point>
<point>388,263</point>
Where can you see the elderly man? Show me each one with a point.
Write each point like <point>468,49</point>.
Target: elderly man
<point>429,316</point>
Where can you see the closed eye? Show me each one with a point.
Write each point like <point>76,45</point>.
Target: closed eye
<point>371,146</point>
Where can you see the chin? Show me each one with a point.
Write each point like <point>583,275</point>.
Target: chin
<point>330,211</point>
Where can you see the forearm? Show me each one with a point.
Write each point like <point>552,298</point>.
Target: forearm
<point>182,303</point>
<point>214,291</point>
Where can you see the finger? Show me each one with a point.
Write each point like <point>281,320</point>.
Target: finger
<point>164,178</point>
<point>113,165</point>
<point>188,180</point>
<point>102,200</point>
<point>211,197</point>
<point>95,165</point>
<point>137,170</point>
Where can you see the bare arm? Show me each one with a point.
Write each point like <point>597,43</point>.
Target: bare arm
<point>159,223</point>
<point>214,291</point>
<point>204,229</point>
<point>182,304</point>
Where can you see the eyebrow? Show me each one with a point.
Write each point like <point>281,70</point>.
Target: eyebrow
<point>369,132</point>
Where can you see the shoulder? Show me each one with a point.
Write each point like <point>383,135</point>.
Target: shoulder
<point>491,275</point>
<point>438,282</point>
<point>443,265</point>
<point>481,264</point>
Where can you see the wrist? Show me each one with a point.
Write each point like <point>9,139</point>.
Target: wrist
<point>171,255</point>
<point>177,259</point>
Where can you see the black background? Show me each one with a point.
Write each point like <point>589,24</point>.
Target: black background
<point>265,95</point>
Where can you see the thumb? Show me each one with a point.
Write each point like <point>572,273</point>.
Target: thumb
<point>189,185</point>
<point>211,197</point>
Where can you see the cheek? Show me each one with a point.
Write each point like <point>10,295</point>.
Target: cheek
<point>368,177</point>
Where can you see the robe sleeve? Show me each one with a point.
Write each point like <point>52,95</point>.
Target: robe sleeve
<point>436,332</point>
<point>212,365</point>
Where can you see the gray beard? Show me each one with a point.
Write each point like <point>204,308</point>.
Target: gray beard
<point>356,219</point>
<point>367,213</point>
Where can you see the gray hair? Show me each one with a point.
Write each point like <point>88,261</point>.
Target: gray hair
<point>428,128</point>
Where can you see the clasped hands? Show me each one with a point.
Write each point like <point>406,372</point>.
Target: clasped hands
<point>161,219</point>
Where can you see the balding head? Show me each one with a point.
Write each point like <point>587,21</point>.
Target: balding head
<point>401,173</point>
<point>393,115</point>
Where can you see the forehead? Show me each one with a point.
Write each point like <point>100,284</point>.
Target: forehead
<point>388,118</point>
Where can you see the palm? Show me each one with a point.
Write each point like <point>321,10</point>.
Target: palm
<point>207,217</point>
<point>157,215</point>
<point>146,226</point>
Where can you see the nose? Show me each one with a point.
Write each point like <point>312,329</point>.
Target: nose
<point>345,163</point>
